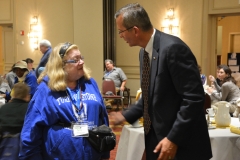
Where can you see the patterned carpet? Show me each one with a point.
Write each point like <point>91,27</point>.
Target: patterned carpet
<point>117,129</point>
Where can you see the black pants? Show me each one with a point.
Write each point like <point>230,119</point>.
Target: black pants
<point>151,142</point>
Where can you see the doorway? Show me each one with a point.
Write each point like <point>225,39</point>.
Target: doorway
<point>7,58</point>
<point>228,36</point>
<point>229,48</point>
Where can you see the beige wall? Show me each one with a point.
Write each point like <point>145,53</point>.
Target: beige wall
<point>75,21</point>
<point>55,17</point>
<point>189,14</point>
<point>88,27</point>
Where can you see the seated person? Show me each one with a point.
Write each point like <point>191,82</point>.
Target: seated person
<point>11,121</point>
<point>12,113</point>
<point>217,82</point>
<point>117,75</point>
<point>24,76</point>
<point>229,90</point>
<point>10,77</point>
<point>217,79</point>
<point>29,62</point>
<point>4,87</point>
<point>202,76</point>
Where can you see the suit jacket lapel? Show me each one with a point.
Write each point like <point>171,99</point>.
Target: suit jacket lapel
<point>154,63</point>
<point>141,53</point>
<point>154,68</point>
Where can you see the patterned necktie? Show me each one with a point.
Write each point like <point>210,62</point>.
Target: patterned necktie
<point>145,86</point>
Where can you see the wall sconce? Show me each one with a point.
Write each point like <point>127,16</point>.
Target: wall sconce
<point>34,33</point>
<point>170,23</point>
<point>34,20</point>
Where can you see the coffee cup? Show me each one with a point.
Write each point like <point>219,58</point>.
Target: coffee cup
<point>136,123</point>
<point>205,87</point>
<point>210,112</point>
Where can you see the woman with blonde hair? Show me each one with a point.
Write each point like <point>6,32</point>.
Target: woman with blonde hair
<point>66,99</point>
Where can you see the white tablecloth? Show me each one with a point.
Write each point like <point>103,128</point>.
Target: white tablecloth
<point>225,145</point>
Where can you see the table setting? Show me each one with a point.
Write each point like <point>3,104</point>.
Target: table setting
<point>224,134</point>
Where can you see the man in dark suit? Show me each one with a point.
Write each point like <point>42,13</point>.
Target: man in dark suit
<point>178,127</point>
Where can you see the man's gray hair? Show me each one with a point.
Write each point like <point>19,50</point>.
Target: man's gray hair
<point>134,15</point>
<point>45,42</point>
<point>109,60</point>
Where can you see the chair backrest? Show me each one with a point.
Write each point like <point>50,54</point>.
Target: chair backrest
<point>108,85</point>
<point>207,103</point>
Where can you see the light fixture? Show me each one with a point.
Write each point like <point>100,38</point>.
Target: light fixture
<point>34,33</point>
<point>34,20</point>
<point>170,25</point>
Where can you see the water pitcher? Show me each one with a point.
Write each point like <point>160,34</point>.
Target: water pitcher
<point>222,117</point>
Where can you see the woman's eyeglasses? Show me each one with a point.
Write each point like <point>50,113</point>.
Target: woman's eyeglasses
<point>74,60</point>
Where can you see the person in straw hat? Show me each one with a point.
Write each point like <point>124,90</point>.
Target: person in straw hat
<point>24,76</point>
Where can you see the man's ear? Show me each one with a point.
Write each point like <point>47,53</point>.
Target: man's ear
<point>136,30</point>
<point>27,98</point>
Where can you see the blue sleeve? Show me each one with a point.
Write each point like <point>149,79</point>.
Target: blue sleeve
<point>31,135</point>
<point>38,116</point>
<point>8,96</point>
<point>31,81</point>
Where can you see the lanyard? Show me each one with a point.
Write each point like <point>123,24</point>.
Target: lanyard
<point>78,102</point>
<point>109,72</point>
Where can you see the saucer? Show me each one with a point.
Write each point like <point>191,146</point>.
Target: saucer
<point>212,127</point>
<point>137,126</point>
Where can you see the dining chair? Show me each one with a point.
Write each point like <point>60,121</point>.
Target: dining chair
<point>207,102</point>
<point>109,92</point>
<point>127,97</point>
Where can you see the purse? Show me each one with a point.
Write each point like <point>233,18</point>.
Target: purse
<point>102,138</point>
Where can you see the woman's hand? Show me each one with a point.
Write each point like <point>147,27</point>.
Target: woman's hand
<point>211,78</point>
<point>210,90</point>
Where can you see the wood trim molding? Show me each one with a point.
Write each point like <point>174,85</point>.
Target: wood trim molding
<point>230,42</point>
<point>220,7</point>
<point>7,13</point>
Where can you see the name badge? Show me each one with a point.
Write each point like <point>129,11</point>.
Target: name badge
<point>80,130</point>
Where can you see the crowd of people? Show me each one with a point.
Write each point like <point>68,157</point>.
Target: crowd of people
<point>224,88</point>
<point>51,105</point>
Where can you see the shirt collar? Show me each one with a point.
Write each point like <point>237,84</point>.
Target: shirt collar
<point>149,47</point>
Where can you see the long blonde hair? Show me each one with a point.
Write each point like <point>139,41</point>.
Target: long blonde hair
<point>54,69</point>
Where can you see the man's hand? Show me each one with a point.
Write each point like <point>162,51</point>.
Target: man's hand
<point>168,149</point>
<point>117,117</point>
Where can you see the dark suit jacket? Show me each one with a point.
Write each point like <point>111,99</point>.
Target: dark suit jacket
<point>176,98</point>
<point>43,60</point>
